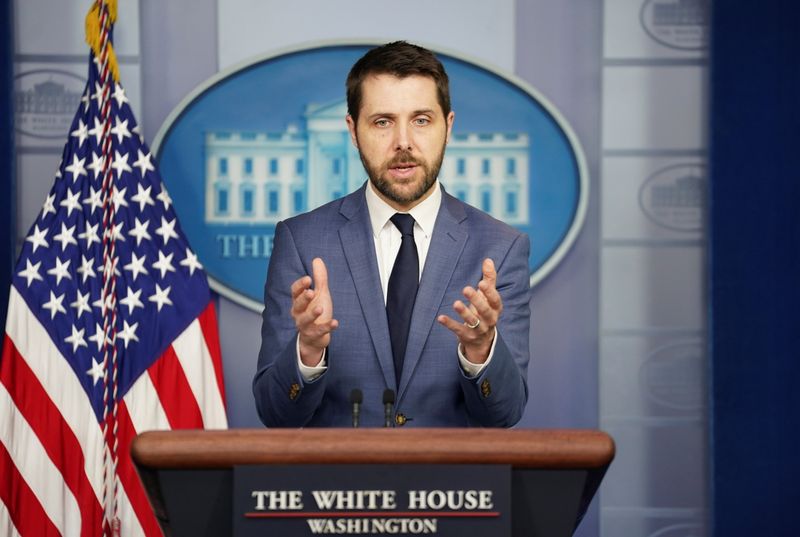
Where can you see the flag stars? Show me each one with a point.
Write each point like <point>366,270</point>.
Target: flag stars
<point>116,232</point>
<point>167,230</point>
<point>48,206</point>
<point>118,197</point>
<point>76,339</point>
<point>164,263</point>
<point>95,199</point>
<point>121,131</point>
<point>98,89</point>
<point>98,162</point>
<point>138,132</point>
<point>136,266</point>
<point>128,333</point>
<point>161,297</point>
<point>90,235</point>
<point>143,162</point>
<point>31,272</point>
<point>132,300</point>
<point>37,238</point>
<point>61,270</point>
<point>97,131</point>
<point>191,262</point>
<point>76,169</point>
<point>164,198</point>
<point>140,231</point>
<point>120,163</point>
<point>81,303</point>
<point>71,202</point>
<point>81,133</point>
<point>54,305</point>
<point>142,196</point>
<point>98,337</point>
<point>96,371</point>
<point>66,237</point>
<point>86,270</point>
<point>119,95</point>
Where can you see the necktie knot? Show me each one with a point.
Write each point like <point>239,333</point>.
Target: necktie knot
<point>403,222</point>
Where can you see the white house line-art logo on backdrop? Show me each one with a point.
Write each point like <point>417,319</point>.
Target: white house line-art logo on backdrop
<point>267,140</point>
<point>45,101</point>
<point>678,24</point>
<point>674,197</point>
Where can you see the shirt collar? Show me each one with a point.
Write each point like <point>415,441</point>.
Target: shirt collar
<point>424,213</point>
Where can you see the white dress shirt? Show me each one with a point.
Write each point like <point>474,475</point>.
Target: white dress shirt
<point>387,244</point>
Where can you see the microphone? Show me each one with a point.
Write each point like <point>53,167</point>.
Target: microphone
<point>356,397</point>
<point>388,407</point>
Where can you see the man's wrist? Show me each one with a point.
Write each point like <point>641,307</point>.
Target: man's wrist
<point>310,356</point>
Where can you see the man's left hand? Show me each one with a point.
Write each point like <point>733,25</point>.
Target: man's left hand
<point>477,330</point>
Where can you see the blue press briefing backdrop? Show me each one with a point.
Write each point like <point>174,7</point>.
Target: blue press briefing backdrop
<point>268,141</point>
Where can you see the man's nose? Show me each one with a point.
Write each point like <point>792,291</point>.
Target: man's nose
<point>402,137</point>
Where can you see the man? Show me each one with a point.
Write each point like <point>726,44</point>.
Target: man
<point>438,312</point>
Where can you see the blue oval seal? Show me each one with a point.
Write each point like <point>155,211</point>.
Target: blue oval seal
<point>265,140</point>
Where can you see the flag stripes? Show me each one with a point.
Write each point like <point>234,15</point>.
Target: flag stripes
<point>54,453</point>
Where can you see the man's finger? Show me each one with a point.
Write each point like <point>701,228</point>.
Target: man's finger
<point>457,328</point>
<point>320,274</point>
<point>481,307</point>
<point>300,285</point>
<point>301,302</point>
<point>489,272</point>
<point>470,316</point>
<point>492,295</point>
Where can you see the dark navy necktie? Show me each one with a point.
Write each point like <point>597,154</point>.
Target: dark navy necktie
<point>402,290</point>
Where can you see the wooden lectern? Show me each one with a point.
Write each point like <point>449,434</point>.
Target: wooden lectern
<point>555,473</point>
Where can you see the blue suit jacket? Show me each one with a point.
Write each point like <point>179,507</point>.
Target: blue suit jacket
<point>433,391</point>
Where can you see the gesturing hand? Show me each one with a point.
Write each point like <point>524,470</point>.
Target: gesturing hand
<point>476,333</point>
<point>312,311</point>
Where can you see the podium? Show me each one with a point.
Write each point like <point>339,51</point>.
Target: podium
<point>188,474</point>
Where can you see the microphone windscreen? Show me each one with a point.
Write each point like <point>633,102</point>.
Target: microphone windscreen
<point>388,396</point>
<point>356,397</point>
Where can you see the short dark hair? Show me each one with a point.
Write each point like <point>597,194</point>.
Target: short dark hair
<point>400,59</point>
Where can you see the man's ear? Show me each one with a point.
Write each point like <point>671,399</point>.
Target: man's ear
<point>451,117</point>
<point>351,126</point>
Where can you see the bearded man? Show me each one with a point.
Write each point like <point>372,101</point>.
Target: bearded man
<point>398,286</point>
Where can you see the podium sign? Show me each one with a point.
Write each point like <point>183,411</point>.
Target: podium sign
<point>372,499</point>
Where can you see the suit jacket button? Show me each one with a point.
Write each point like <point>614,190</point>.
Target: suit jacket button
<point>400,419</point>
<point>486,388</point>
<point>294,391</point>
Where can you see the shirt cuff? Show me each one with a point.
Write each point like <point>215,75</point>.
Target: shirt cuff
<point>310,373</point>
<point>474,370</point>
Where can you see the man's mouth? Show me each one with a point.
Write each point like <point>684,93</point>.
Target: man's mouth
<point>403,169</point>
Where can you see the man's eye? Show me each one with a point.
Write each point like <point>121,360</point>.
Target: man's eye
<point>382,123</point>
<point>421,121</point>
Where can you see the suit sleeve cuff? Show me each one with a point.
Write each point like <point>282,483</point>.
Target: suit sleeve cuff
<point>470,369</point>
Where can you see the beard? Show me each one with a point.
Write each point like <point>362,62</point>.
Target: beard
<point>393,190</point>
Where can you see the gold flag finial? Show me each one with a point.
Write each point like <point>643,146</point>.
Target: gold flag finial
<point>94,33</point>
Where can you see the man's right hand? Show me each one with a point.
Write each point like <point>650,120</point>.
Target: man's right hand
<point>312,311</point>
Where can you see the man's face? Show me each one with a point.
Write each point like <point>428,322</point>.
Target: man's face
<point>401,135</point>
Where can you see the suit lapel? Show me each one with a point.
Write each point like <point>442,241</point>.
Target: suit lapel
<point>359,251</point>
<point>447,243</point>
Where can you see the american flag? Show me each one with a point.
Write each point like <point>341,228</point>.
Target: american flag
<point>65,468</point>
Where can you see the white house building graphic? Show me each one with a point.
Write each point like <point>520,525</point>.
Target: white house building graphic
<point>264,177</point>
